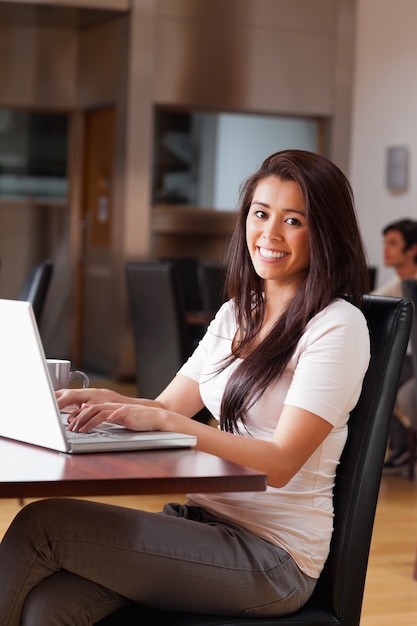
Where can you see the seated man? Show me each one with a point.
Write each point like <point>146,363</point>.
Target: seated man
<point>400,253</point>
<point>406,404</point>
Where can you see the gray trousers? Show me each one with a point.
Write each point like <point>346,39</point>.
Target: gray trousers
<point>70,562</point>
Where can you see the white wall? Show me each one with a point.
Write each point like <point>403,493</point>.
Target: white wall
<point>384,114</point>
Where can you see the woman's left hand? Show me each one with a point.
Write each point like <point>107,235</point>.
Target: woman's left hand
<point>132,416</point>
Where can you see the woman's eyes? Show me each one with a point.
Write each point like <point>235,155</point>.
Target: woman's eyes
<point>292,221</point>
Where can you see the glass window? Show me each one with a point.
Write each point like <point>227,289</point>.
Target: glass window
<point>33,156</point>
<point>201,159</point>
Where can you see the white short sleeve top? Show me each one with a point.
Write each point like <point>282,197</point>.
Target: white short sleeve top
<point>324,376</point>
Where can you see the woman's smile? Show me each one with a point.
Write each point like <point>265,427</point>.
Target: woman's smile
<point>268,254</point>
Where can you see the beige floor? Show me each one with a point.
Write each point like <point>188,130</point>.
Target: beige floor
<point>391,592</point>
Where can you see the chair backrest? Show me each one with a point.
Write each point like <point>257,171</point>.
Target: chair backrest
<point>187,275</point>
<point>158,321</point>
<point>36,287</point>
<point>337,598</point>
<point>211,277</point>
<point>409,287</point>
<point>372,273</point>
<point>341,584</point>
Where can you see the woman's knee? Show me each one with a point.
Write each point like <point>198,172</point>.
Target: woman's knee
<point>33,514</point>
<point>68,600</point>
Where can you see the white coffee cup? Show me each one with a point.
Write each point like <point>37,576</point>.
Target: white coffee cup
<point>61,374</point>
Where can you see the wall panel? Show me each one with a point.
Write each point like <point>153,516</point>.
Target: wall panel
<point>38,66</point>
<point>260,56</point>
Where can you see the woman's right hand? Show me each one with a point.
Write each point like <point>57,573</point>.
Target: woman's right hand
<point>68,399</point>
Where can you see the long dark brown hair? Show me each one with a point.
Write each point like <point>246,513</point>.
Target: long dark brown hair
<point>338,268</point>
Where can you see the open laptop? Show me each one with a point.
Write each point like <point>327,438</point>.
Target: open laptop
<point>28,408</point>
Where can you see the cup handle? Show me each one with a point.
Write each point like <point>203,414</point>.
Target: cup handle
<point>81,375</point>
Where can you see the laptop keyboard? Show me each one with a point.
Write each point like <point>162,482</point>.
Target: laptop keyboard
<point>102,431</point>
<point>74,436</point>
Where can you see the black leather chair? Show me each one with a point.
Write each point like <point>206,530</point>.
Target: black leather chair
<point>337,599</point>
<point>372,272</point>
<point>211,277</point>
<point>187,269</point>
<point>187,273</point>
<point>36,287</point>
<point>409,288</point>
<point>160,331</point>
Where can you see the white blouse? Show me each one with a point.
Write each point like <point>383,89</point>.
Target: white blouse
<point>324,376</point>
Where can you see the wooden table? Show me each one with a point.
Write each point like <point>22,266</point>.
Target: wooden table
<point>29,471</point>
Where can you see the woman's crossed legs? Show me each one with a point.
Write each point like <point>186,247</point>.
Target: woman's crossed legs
<point>70,562</point>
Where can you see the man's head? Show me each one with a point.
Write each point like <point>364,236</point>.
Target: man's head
<point>400,244</point>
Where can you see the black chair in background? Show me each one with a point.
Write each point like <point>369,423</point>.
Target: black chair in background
<point>188,279</point>
<point>187,272</point>
<point>35,288</point>
<point>337,599</point>
<point>211,278</point>
<point>372,271</point>
<point>160,332</point>
<point>409,288</point>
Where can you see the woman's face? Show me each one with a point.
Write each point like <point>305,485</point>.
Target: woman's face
<point>276,232</point>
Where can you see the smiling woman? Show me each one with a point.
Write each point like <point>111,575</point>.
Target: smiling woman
<point>279,372</point>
